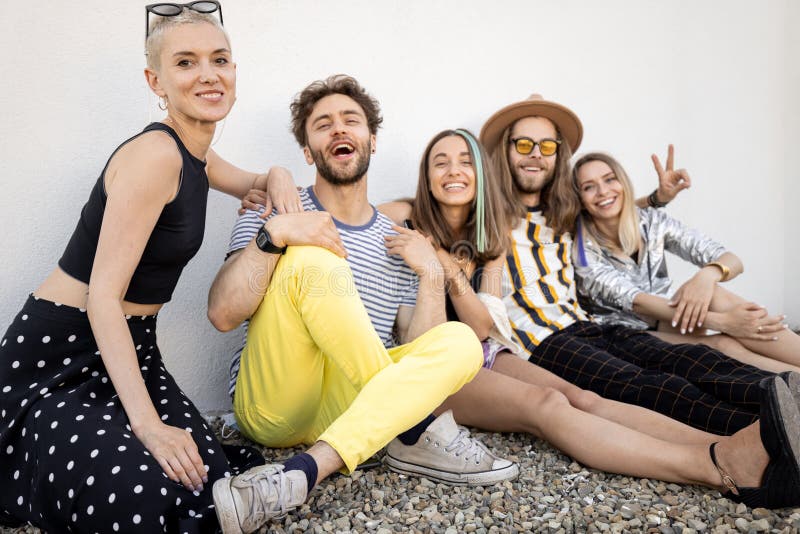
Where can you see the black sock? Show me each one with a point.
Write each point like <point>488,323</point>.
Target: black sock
<point>303,462</point>
<point>411,436</point>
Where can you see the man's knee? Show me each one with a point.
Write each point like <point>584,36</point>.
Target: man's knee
<point>315,269</point>
<point>310,256</point>
<point>463,347</point>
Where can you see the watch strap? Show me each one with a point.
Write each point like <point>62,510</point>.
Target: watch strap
<point>652,200</point>
<point>265,244</point>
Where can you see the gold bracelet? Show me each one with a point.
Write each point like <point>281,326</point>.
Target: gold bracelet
<point>726,273</point>
<point>460,283</point>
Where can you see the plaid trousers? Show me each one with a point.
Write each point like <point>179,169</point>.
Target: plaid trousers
<point>691,383</point>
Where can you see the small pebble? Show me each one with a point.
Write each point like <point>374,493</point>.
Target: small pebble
<point>742,524</point>
<point>759,525</point>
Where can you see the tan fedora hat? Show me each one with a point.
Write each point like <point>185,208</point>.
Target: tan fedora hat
<point>535,106</point>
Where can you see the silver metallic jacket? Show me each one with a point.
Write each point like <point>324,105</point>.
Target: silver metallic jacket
<point>607,284</point>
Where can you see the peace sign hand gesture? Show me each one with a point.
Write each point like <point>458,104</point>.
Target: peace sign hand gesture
<point>670,182</point>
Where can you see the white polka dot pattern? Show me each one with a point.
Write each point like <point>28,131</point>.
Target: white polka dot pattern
<point>93,468</point>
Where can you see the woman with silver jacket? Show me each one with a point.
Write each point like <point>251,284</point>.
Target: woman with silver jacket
<point>621,270</point>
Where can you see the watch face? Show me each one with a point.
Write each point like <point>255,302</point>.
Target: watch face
<point>262,239</point>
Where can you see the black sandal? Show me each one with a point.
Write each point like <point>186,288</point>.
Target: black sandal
<point>780,435</point>
<point>727,480</point>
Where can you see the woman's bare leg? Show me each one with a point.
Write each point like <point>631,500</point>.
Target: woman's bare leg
<point>786,348</point>
<point>494,401</point>
<point>733,347</point>
<point>628,415</point>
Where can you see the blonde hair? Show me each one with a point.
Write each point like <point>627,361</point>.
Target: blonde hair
<point>160,25</point>
<point>629,234</point>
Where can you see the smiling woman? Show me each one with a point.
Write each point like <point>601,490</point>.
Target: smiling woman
<point>621,270</point>
<point>96,433</point>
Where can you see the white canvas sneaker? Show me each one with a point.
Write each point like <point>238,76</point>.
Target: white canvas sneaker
<point>445,452</point>
<point>245,502</point>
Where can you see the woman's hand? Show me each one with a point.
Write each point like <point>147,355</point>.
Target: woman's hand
<point>692,299</point>
<point>280,193</point>
<point>176,452</point>
<point>450,265</point>
<point>415,249</point>
<point>670,181</point>
<point>254,200</point>
<point>750,321</point>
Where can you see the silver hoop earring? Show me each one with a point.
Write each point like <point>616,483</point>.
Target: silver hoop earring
<point>162,103</point>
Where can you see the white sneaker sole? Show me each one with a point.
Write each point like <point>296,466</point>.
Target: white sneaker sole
<point>225,508</point>
<point>478,478</point>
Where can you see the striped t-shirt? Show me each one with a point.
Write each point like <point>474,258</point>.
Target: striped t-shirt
<point>539,282</point>
<point>383,282</point>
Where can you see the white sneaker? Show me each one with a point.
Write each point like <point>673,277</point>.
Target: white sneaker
<point>245,502</point>
<point>445,452</point>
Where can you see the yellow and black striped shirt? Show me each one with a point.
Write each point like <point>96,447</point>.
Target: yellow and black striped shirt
<point>539,282</point>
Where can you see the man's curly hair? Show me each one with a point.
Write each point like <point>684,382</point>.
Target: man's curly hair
<point>340,84</point>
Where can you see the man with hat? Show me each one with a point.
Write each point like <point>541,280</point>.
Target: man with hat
<point>530,144</point>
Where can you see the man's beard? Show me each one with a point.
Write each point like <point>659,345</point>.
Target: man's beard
<point>532,186</point>
<point>342,176</point>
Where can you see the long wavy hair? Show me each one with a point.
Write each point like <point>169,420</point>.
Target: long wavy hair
<point>427,216</point>
<point>556,199</point>
<point>629,235</point>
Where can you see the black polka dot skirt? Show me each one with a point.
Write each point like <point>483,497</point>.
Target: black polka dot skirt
<point>68,459</point>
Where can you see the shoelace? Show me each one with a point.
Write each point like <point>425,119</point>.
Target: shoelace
<point>263,484</point>
<point>463,444</point>
<point>230,428</point>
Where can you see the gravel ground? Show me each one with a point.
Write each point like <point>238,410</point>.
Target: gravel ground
<point>552,494</point>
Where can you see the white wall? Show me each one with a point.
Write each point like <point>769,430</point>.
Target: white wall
<point>791,175</point>
<point>717,78</point>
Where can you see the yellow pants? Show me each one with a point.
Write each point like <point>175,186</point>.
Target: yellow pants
<point>315,369</point>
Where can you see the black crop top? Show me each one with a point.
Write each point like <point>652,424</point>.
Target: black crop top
<point>176,238</point>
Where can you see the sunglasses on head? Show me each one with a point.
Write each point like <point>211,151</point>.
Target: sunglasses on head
<point>525,145</point>
<point>168,9</point>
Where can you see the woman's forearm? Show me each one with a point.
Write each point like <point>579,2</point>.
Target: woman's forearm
<point>228,178</point>
<point>469,308</point>
<point>656,307</point>
<point>119,357</point>
<point>653,306</point>
<point>732,262</point>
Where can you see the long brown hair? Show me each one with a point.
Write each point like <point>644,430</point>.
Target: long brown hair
<point>557,199</point>
<point>427,216</point>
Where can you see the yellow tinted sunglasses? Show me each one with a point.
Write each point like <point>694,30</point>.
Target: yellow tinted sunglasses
<point>525,145</point>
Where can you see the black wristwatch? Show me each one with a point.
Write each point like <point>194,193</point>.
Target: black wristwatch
<point>264,242</point>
